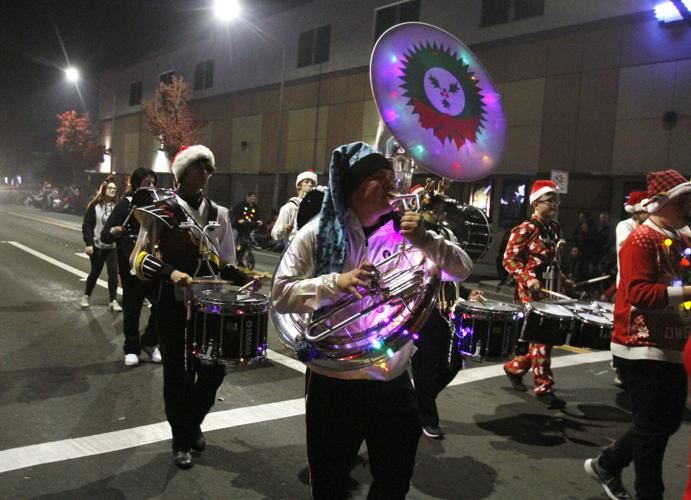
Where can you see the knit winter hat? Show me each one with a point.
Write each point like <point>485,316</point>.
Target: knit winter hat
<point>633,201</point>
<point>307,174</point>
<point>350,165</point>
<point>663,186</point>
<point>188,155</point>
<point>541,188</point>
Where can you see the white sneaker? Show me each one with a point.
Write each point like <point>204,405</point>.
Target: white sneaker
<point>114,306</point>
<point>131,360</point>
<point>85,302</point>
<point>154,354</point>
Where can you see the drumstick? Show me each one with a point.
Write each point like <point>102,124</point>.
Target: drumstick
<point>245,286</point>
<point>560,295</point>
<point>593,280</point>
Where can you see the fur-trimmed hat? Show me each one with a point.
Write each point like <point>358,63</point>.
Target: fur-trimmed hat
<point>188,155</point>
<point>634,200</point>
<point>307,174</point>
<point>663,186</point>
<point>541,188</point>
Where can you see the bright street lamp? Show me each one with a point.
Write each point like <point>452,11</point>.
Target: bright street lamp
<point>72,74</point>
<point>279,129</point>
<point>227,10</point>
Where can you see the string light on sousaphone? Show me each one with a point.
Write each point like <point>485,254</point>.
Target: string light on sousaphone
<point>438,100</point>
<point>685,265</point>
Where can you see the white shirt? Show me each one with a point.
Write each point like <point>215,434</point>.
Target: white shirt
<point>297,290</point>
<point>287,215</point>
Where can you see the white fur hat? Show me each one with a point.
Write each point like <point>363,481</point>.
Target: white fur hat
<point>307,174</point>
<point>188,155</point>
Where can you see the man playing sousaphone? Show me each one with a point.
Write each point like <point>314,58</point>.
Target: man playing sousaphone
<point>530,250</point>
<point>330,258</point>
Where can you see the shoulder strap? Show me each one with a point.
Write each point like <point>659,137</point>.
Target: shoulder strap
<point>213,210</point>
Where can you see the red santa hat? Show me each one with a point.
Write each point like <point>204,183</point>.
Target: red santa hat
<point>663,186</point>
<point>307,174</point>
<point>541,188</point>
<point>417,189</point>
<point>188,155</point>
<point>634,200</point>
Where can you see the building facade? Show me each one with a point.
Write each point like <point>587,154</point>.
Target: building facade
<point>600,90</point>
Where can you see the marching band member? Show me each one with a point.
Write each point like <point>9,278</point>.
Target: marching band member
<point>651,325</point>
<point>168,253</point>
<point>285,226</point>
<point>134,291</point>
<point>638,216</point>
<point>531,249</point>
<point>430,365</point>
<point>330,257</point>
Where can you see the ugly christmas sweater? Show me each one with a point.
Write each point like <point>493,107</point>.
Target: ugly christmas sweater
<point>528,253</point>
<point>650,321</point>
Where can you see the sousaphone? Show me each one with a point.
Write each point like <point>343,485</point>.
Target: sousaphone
<point>439,110</point>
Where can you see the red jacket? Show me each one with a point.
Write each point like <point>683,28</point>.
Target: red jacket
<point>649,320</point>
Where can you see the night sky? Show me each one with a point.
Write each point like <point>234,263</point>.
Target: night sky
<point>39,37</point>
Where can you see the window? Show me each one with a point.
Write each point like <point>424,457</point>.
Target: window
<point>204,75</point>
<point>512,203</point>
<point>167,77</point>
<point>314,46</point>
<point>481,196</point>
<point>504,11</point>
<point>392,15</point>
<point>135,93</point>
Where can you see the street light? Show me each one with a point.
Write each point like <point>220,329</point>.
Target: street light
<point>72,74</point>
<point>228,10</point>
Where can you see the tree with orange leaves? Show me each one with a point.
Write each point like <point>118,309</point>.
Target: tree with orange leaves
<point>170,118</point>
<point>77,142</point>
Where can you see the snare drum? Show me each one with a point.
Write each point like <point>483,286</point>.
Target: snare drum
<point>591,330</point>
<point>487,329</point>
<point>606,307</point>
<point>546,323</point>
<point>230,327</point>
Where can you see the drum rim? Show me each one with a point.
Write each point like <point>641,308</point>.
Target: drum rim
<point>471,303</point>
<point>536,306</point>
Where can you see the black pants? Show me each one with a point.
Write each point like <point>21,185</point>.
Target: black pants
<point>98,258</point>
<point>341,413</point>
<point>134,291</point>
<point>189,387</point>
<point>658,397</point>
<point>431,369</point>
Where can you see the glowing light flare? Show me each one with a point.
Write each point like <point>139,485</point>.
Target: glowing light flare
<point>667,12</point>
<point>72,74</point>
<point>685,262</point>
<point>376,343</point>
<point>668,242</point>
<point>677,283</point>
<point>389,352</point>
<point>393,58</point>
<point>687,305</point>
<point>687,251</point>
<point>227,10</point>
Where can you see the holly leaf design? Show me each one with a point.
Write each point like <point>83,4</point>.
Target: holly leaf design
<point>434,81</point>
<point>445,103</point>
<point>453,88</point>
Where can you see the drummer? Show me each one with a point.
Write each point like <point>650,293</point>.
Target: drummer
<point>530,250</point>
<point>189,387</point>
<point>431,369</point>
<point>133,290</point>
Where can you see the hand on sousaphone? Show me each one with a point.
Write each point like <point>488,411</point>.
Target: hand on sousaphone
<point>413,229</point>
<point>361,277</point>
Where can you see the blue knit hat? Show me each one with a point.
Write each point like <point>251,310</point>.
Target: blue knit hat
<point>350,165</point>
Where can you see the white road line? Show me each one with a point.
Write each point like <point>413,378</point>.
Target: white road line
<point>81,254</point>
<point>57,263</point>
<point>108,442</point>
<point>286,361</point>
<point>485,372</point>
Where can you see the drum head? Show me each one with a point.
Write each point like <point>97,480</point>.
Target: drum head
<point>487,308</point>
<point>438,101</point>
<point>576,307</point>
<point>230,297</point>
<point>548,309</point>
<point>593,319</point>
<point>470,227</point>
<point>605,306</point>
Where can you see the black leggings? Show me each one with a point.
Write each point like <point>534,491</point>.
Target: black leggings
<point>98,258</point>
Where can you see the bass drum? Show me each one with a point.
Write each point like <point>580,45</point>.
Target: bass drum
<point>470,227</point>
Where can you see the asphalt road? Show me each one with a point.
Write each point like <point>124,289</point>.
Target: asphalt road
<point>77,423</point>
